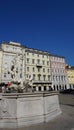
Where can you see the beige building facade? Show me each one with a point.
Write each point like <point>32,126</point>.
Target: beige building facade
<point>34,64</point>
<point>46,71</point>
<point>38,67</point>
<point>10,51</point>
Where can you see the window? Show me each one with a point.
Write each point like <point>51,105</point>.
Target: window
<point>43,62</point>
<point>33,61</point>
<point>38,69</point>
<point>39,77</point>
<point>21,67</point>
<point>33,54</point>
<point>27,75</point>
<point>53,77</point>
<point>58,70</point>
<point>27,60</point>
<point>48,70</point>
<point>38,61</point>
<point>47,62</point>
<point>33,69</point>
<point>47,57</point>
<point>34,88</point>
<point>5,75</point>
<point>20,49</point>
<point>56,78</point>
<point>33,76</point>
<point>59,78</point>
<point>38,55</point>
<point>27,53</point>
<point>43,69</point>
<point>43,56</point>
<point>6,46</point>
<point>64,77</point>
<point>5,65</point>
<point>44,77</point>
<point>28,69</point>
<point>13,48</point>
<point>48,77</point>
<point>21,75</point>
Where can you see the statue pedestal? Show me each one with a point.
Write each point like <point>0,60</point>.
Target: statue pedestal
<point>24,109</point>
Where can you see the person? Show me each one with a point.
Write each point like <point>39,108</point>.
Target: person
<point>2,89</point>
<point>8,87</point>
<point>5,88</point>
<point>9,84</point>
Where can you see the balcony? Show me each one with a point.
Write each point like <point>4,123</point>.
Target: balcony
<point>39,65</point>
<point>42,82</point>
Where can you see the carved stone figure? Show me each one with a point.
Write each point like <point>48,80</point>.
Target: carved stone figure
<point>18,83</point>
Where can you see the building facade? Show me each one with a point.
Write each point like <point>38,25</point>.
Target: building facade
<point>46,71</point>
<point>38,67</point>
<point>58,72</point>
<point>70,76</point>
<point>1,57</point>
<point>10,51</point>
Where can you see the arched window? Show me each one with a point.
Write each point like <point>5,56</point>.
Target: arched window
<point>39,76</point>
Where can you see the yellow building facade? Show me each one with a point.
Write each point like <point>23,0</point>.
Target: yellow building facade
<point>70,76</point>
<point>1,54</point>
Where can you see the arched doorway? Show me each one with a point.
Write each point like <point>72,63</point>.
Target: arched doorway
<point>65,87</point>
<point>39,88</point>
<point>60,87</point>
<point>44,88</point>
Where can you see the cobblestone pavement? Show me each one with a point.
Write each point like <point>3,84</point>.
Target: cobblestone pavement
<point>63,122</point>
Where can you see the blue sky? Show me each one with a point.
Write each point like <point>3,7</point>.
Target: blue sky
<point>42,24</point>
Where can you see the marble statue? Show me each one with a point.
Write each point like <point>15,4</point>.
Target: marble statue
<point>17,83</point>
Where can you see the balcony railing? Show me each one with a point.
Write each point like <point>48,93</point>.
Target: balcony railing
<point>42,81</point>
<point>39,65</point>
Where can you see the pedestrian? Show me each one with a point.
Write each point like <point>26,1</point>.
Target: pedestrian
<point>2,89</point>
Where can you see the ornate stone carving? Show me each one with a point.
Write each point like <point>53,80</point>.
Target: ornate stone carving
<point>17,83</point>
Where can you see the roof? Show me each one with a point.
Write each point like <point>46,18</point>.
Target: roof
<point>14,44</point>
<point>37,51</point>
<point>56,55</point>
<point>70,67</point>
<point>32,49</point>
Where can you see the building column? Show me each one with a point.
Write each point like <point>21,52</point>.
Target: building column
<point>56,87</point>
<point>72,86</point>
<point>37,88</point>
<point>47,88</point>
<point>42,88</point>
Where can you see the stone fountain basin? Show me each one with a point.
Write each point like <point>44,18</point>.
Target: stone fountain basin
<point>24,109</point>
